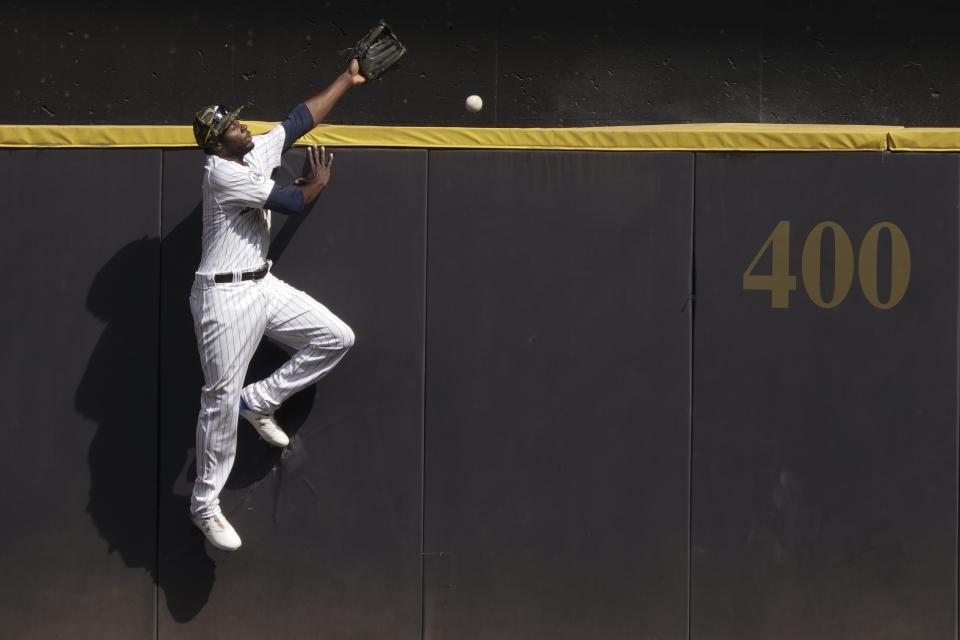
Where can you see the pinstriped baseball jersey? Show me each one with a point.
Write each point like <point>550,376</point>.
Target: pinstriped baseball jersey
<point>236,227</point>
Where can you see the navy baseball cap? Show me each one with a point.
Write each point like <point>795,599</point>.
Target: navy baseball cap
<point>211,121</point>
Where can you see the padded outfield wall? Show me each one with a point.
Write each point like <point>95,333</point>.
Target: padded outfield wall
<point>659,382</point>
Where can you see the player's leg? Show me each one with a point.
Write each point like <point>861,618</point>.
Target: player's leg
<point>320,338</point>
<point>229,320</point>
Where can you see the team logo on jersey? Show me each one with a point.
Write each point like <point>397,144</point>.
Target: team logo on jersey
<point>256,177</point>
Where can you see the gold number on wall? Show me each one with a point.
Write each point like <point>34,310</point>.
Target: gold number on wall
<point>842,266</point>
<point>779,283</point>
<point>899,264</point>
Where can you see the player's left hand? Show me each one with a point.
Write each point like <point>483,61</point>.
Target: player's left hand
<point>320,165</point>
<point>353,70</point>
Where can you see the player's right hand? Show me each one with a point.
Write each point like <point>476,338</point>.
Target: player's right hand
<point>353,70</point>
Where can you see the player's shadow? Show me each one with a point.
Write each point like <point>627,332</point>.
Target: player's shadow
<point>145,375</point>
<point>118,392</point>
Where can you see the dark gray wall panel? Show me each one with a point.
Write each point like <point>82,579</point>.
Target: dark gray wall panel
<point>79,255</point>
<point>556,437</point>
<point>331,527</point>
<point>824,457</point>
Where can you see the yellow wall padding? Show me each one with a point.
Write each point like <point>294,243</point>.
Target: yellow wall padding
<point>676,137</point>
<point>73,136</point>
<point>686,137</point>
<point>923,139</point>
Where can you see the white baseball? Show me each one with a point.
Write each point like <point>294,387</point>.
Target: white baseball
<point>474,103</point>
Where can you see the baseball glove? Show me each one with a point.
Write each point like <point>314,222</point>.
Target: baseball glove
<point>378,51</point>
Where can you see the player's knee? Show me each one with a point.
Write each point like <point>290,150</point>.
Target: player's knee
<point>221,392</point>
<point>340,337</point>
<point>348,338</point>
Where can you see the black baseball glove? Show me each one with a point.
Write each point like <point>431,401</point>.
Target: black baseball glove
<point>377,51</point>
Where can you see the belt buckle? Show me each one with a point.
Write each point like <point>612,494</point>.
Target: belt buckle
<point>242,276</point>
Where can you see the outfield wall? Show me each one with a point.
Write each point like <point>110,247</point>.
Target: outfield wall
<point>636,394</point>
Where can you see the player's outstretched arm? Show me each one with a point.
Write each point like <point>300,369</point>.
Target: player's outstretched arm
<point>321,104</point>
<point>308,114</point>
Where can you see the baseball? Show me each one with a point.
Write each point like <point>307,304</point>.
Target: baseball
<point>474,103</point>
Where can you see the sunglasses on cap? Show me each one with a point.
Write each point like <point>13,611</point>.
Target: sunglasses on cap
<point>222,111</point>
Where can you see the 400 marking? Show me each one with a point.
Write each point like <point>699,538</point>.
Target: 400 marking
<point>779,282</point>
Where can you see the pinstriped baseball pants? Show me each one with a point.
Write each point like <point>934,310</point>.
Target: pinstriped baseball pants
<point>229,320</point>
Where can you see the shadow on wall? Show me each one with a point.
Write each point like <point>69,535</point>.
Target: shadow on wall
<point>118,391</point>
<point>149,529</point>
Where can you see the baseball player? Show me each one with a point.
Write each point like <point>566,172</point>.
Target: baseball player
<point>236,300</point>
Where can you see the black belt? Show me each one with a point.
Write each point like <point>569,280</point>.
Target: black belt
<point>245,275</point>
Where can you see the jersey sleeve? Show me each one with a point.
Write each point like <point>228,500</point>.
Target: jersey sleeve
<point>288,200</point>
<point>296,125</point>
<point>268,148</point>
<point>238,186</point>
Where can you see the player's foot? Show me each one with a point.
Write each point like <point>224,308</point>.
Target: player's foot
<point>219,532</point>
<point>265,425</point>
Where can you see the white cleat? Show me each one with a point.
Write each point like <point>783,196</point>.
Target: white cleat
<point>265,425</point>
<point>219,532</point>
